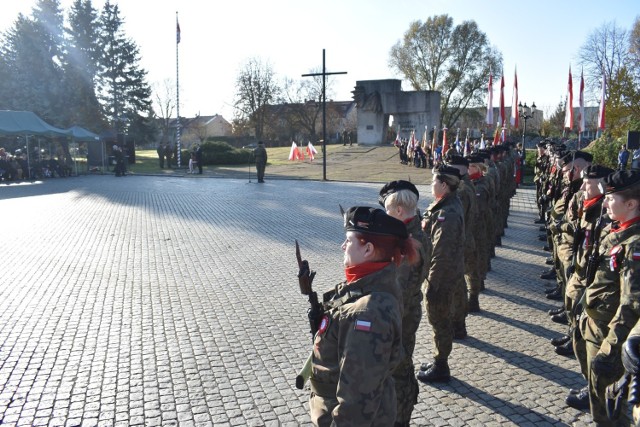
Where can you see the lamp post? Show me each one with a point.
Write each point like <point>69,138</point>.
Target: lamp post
<point>525,112</point>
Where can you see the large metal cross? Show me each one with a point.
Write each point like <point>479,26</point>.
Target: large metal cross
<point>324,75</point>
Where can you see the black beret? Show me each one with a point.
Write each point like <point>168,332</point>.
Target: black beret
<point>364,219</point>
<point>457,160</point>
<point>596,172</point>
<point>621,180</point>
<point>395,186</point>
<point>475,158</point>
<point>446,170</point>
<point>542,144</point>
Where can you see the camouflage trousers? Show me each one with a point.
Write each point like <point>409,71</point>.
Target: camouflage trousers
<point>597,387</point>
<point>321,409</point>
<point>460,304</point>
<point>404,375</point>
<point>438,304</point>
<point>472,272</point>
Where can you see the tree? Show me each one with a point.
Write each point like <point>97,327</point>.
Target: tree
<point>80,65</point>
<point>163,107</point>
<point>552,127</point>
<point>437,56</point>
<point>256,87</point>
<point>123,90</point>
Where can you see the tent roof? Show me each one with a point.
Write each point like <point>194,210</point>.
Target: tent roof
<point>27,122</point>
<point>81,134</point>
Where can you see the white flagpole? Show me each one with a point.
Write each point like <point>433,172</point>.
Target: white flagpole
<point>178,91</point>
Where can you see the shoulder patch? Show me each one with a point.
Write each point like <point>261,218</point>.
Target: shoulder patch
<point>441,217</point>
<point>362,325</point>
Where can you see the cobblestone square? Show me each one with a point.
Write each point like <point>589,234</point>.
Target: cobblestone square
<point>171,301</point>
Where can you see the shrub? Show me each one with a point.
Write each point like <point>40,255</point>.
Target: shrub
<point>221,153</point>
<point>605,151</point>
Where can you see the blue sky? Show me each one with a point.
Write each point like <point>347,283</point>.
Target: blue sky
<point>541,38</point>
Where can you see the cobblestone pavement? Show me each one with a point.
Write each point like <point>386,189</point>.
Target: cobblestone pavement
<point>172,301</point>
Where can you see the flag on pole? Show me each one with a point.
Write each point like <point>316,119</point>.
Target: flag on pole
<point>467,148</point>
<point>397,142</point>
<point>483,143</point>
<point>489,118</point>
<point>514,102</point>
<point>177,31</point>
<point>496,136</point>
<point>568,115</point>
<point>311,151</point>
<point>581,119</point>
<point>458,143</point>
<point>424,140</point>
<point>434,144</point>
<point>445,144</point>
<point>294,154</point>
<point>502,136</point>
<point>603,96</point>
<point>503,118</point>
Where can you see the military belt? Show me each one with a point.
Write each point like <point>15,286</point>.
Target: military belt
<point>326,390</point>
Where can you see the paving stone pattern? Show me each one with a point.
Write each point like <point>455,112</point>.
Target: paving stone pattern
<point>173,301</point>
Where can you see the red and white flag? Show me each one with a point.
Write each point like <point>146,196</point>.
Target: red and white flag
<point>311,151</point>
<point>489,118</point>
<point>467,149</point>
<point>445,144</point>
<point>568,113</point>
<point>294,154</point>
<point>603,98</point>
<point>514,102</point>
<point>496,136</point>
<point>581,120</point>
<point>503,117</point>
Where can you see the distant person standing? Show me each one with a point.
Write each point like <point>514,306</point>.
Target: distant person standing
<point>160,152</point>
<point>260,154</point>
<point>199,158</point>
<point>623,158</point>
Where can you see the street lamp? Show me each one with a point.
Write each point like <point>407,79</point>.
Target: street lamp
<point>525,112</point>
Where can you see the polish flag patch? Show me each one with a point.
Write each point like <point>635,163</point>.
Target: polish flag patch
<point>363,325</point>
<point>636,256</point>
<point>441,218</point>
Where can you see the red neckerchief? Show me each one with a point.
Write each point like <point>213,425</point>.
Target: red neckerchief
<point>475,176</point>
<point>408,220</point>
<point>592,201</point>
<point>626,224</point>
<point>356,272</point>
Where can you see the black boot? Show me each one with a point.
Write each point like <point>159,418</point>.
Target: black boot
<point>555,311</point>
<point>549,274</point>
<point>560,340</point>
<point>560,318</point>
<point>565,349</point>
<point>549,261</point>
<point>556,295</point>
<point>437,372</point>
<point>579,400</point>
<point>498,241</point>
<point>482,284</point>
<point>474,304</point>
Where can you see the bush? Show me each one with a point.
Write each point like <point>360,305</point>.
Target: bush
<point>221,153</point>
<point>605,151</point>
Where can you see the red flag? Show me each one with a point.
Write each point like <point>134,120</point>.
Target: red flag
<point>294,153</point>
<point>445,144</point>
<point>601,112</point>
<point>489,118</point>
<point>502,115</point>
<point>581,120</point>
<point>568,115</point>
<point>496,136</point>
<point>467,148</point>
<point>177,31</point>
<point>311,151</point>
<point>514,102</point>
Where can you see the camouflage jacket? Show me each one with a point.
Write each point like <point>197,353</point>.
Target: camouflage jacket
<point>444,225</point>
<point>411,277</point>
<point>357,348</point>
<point>613,299</point>
<point>467,195</point>
<point>260,154</point>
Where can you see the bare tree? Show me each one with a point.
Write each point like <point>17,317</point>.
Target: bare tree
<point>164,105</point>
<point>606,50</point>
<point>435,55</point>
<point>256,88</point>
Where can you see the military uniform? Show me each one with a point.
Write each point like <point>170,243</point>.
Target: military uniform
<point>260,154</point>
<point>358,343</point>
<point>612,305</point>
<point>356,349</point>
<point>444,225</point>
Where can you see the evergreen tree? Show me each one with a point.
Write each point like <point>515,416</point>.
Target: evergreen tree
<point>122,87</point>
<point>81,66</point>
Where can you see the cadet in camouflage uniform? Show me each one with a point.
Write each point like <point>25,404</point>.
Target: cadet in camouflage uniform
<point>260,154</point>
<point>443,223</point>
<point>612,301</point>
<point>588,230</point>
<point>484,225</point>
<point>400,200</point>
<point>542,162</point>
<point>467,195</point>
<point>359,340</point>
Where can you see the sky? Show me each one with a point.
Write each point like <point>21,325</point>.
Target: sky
<point>541,39</point>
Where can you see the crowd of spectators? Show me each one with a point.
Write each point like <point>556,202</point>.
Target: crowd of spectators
<point>16,166</point>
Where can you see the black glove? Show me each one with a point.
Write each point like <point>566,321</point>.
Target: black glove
<point>631,355</point>
<point>605,364</point>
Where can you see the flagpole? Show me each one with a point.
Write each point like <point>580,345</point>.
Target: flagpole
<point>178,91</point>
